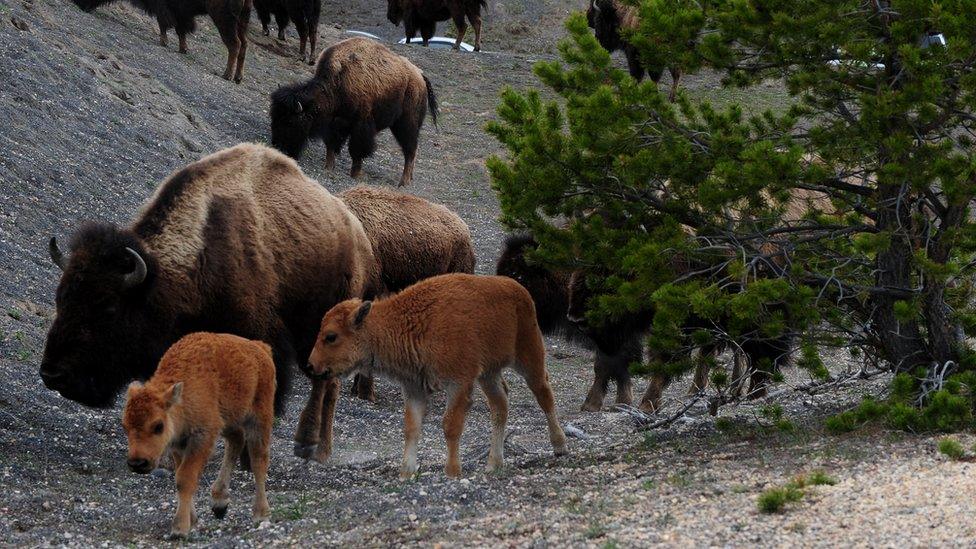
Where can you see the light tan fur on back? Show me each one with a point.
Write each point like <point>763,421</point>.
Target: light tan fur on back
<point>206,385</point>
<point>366,71</point>
<point>449,331</point>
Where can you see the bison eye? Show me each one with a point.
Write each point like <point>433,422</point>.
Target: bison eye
<point>158,428</point>
<point>331,337</point>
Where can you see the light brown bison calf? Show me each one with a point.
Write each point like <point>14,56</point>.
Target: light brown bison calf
<point>206,385</point>
<point>448,331</point>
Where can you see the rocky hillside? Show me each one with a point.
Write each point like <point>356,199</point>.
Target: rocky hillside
<point>94,113</point>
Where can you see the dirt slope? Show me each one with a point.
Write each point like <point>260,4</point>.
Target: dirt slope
<point>94,113</point>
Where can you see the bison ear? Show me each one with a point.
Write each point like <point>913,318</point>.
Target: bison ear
<point>175,395</point>
<point>133,387</point>
<point>361,314</point>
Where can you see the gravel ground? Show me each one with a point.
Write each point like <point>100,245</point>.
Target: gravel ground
<point>95,113</point>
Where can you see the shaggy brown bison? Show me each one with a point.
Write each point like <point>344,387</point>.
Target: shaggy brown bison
<point>423,15</point>
<point>360,88</point>
<point>607,18</point>
<point>230,17</point>
<point>239,242</point>
<point>412,239</point>
<point>207,385</point>
<point>305,15</point>
<point>450,331</point>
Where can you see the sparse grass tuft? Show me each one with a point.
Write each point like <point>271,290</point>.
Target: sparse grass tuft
<point>15,314</point>
<point>819,478</point>
<point>774,500</point>
<point>648,484</point>
<point>951,448</point>
<point>595,530</point>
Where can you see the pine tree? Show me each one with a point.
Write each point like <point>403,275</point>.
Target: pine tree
<point>687,209</point>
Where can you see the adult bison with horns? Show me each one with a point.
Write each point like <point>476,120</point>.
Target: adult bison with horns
<point>240,242</point>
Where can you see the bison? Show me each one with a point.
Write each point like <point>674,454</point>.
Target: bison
<point>607,18</point>
<point>449,331</point>
<point>207,385</point>
<point>305,15</point>
<point>360,88</point>
<point>423,15</point>
<point>412,239</point>
<point>230,17</point>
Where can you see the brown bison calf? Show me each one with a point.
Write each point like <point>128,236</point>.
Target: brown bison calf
<point>448,331</point>
<point>360,88</point>
<point>206,385</point>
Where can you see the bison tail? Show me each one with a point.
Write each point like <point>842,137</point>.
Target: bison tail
<point>431,100</point>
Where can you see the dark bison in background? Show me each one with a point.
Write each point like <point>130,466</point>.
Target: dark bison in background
<point>230,16</point>
<point>423,15</point>
<point>561,303</point>
<point>607,18</point>
<point>304,13</point>
<point>360,88</point>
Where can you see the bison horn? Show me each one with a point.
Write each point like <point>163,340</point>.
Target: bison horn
<point>298,105</point>
<point>138,274</point>
<point>595,5</point>
<point>56,256</point>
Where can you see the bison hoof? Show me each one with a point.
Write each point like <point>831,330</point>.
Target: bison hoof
<point>304,451</point>
<point>591,406</point>
<point>265,32</point>
<point>238,79</point>
<point>219,511</point>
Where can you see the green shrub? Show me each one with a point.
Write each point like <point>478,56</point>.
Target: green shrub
<point>951,448</point>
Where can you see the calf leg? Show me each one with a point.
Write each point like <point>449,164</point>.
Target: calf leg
<point>234,443</point>
<point>415,406</point>
<point>498,404</point>
<point>531,362</point>
<point>258,437</point>
<point>458,403</point>
<point>187,480</point>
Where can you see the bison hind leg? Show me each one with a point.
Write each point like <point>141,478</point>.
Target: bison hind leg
<point>406,131</point>
<point>362,144</point>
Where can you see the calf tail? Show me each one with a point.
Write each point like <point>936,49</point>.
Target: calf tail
<point>431,100</point>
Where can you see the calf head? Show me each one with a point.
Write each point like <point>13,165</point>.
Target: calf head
<point>148,423</point>
<point>293,116</point>
<point>339,348</point>
<point>107,330</point>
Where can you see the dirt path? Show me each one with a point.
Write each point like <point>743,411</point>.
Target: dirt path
<point>95,113</point>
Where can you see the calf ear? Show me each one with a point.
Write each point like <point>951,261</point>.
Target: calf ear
<point>133,387</point>
<point>175,394</point>
<point>361,313</point>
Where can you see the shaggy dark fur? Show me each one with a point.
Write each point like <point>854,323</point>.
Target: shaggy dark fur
<point>551,292</point>
<point>360,88</point>
<point>305,15</point>
<point>233,279</point>
<point>230,16</point>
<point>607,18</point>
<point>423,15</point>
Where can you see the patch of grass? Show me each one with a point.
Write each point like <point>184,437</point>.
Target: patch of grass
<point>595,530</point>
<point>725,425</point>
<point>15,314</point>
<point>740,489</point>
<point>648,484</point>
<point>797,528</point>
<point>681,479</point>
<point>293,511</point>
<point>951,448</point>
<point>774,500</point>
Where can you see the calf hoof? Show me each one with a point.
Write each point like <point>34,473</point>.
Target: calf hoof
<point>219,510</point>
<point>304,451</point>
<point>176,535</point>
<point>493,467</point>
<point>452,470</point>
<point>560,451</point>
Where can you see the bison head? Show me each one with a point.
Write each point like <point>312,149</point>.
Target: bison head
<point>106,331</point>
<point>603,18</point>
<point>339,348</point>
<point>293,113</point>
<point>394,11</point>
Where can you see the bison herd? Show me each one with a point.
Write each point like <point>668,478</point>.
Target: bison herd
<point>240,270</point>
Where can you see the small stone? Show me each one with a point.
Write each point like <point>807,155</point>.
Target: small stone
<point>412,517</point>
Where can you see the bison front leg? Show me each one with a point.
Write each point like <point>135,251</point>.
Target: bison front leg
<point>163,30</point>
<point>476,23</point>
<point>462,27</point>
<point>307,434</point>
<point>598,391</point>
